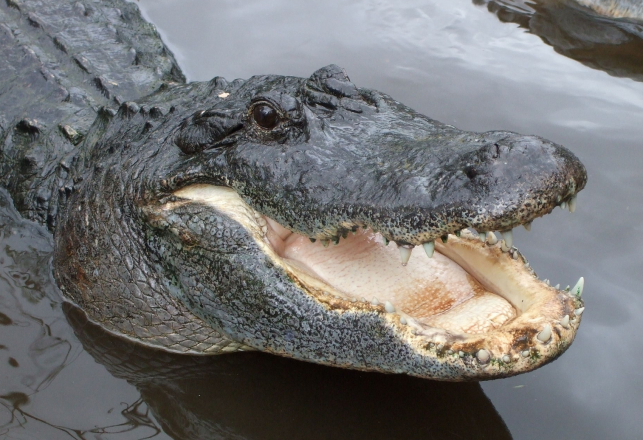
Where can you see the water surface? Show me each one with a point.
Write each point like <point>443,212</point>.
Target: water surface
<point>545,68</point>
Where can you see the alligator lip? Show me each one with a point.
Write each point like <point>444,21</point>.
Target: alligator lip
<point>474,301</point>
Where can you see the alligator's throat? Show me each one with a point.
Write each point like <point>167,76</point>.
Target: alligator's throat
<point>467,287</point>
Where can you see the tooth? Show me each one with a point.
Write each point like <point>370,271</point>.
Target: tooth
<point>492,239</point>
<point>429,248</point>
<point>457,233</point>
<point>483,236</point>
<point>264,229</point>
<point>545,335</point>
<point>579,312</point>
<point>572,204</point>
<point>325,242</point>
<point>261,221</point>
<point>565,321</point>
<point>374,301</point>
<point>563,205</point>
<point>363,299</point>
<point>335,240</point>
<point>389,307</point>
<point>506,359</point>
<point>578,288</point>
<point>527,226</point>
<point>483,356</point>
<point>312,240</point>
<point>503,247</point>
<point>557,286</point>
<point>525,353</point>
<point>403,320</point>
<point>444,238</point>
<point>509,238</point>
<point>405,254</point>
<point>546,281</point>
<point>461,354</point>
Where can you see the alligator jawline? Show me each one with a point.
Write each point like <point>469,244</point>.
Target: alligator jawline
<point>484,297</point>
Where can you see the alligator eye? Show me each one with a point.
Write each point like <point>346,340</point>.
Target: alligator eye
<point>265,116</point>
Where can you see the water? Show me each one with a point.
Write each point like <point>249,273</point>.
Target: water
<point>543,69</point>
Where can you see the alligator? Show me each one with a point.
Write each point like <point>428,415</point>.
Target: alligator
<point>305,217</point>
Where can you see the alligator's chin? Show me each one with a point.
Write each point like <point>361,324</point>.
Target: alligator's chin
<point>472,302</point>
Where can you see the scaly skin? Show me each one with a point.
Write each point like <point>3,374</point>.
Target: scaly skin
<point>156,211</point>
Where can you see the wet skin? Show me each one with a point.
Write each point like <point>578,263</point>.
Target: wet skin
<point>173,218</point>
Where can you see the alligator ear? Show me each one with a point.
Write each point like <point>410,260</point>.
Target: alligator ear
<point>207,129</point>
<point>333,80</point>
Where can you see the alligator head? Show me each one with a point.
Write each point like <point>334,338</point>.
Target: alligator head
<point>320,221</point>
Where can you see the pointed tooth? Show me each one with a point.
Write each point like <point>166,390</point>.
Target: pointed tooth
<point>557,286</point>
<point>405,254</point>
<point>527,226</point>
<point>546,281</point>
<point>563,205</point>
<point>335,241</point>
<point>389,307</point>
<point>565,321</point>
<point>362,299</point>
<point>375,301</point>
<point>545,334</point>
<point>444,238</point>
<point>325,242</point>
<point>483,236</point>
<point>492,239</point>
<point>579,312</point>
<point>509,238</point>
<point>403,320</point>
<point>312,240</point>
<point>429,248</point>
<point>578,288</point>
<point>572,204</point>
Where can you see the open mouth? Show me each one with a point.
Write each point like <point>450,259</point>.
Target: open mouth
<point>472,296</point>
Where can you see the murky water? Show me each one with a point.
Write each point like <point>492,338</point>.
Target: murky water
<point>546,69</point>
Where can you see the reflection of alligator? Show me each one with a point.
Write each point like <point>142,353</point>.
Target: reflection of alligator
<point>183,220</point>
<point>614,45</point>
<point>238,396</point>
<point>616,8</point>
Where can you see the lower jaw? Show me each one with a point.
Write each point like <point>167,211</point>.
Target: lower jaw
<point>528,323</point>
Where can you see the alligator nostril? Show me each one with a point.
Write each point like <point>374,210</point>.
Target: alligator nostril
<point>470,172</point>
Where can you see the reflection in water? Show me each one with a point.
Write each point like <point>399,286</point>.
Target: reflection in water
<point>254,395</point>
<point>609,44</point>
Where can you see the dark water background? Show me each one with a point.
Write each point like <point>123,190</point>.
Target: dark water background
<point>546,68</point>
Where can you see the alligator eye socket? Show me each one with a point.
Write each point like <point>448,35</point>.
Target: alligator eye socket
<point>265,116</point>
